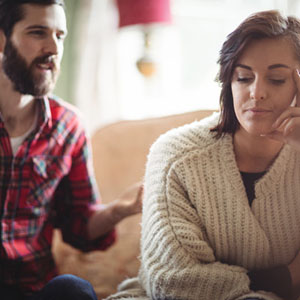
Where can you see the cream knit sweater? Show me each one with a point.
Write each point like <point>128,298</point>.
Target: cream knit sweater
<point>199,234</point>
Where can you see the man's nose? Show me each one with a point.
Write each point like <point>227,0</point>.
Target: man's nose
<point>51,45</point>
<point>258,90</point>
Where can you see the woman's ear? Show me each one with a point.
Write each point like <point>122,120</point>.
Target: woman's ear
<point>2,41</point>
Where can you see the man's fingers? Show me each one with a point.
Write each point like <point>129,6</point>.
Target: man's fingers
<point>140,193</point>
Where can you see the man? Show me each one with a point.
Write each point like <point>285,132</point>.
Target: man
<point>45,165</point>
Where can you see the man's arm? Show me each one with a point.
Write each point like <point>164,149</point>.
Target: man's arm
<point>104,219</point>
<point>84,222</point>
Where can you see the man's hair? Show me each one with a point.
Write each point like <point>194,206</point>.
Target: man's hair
<point>265,24</point>
<point>11,12</point>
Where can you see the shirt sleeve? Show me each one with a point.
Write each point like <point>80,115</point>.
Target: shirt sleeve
<point>77,198</point>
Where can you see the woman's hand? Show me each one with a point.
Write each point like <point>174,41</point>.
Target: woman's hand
<point>287,125</point>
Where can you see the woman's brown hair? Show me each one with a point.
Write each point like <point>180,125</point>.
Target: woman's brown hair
<point>265,24</point>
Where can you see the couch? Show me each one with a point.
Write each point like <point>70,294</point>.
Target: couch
<point>119,154</point>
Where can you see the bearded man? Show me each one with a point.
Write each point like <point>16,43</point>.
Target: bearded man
<point>46,178</point>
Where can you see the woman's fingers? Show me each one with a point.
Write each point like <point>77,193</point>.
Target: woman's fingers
<point>296,76</point>
<point>275,135</point>
<point>289,113</point>
<point>287,126</point>
<point>289,133</point>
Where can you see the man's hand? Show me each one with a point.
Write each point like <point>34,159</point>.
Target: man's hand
<point>129,203</point>
<point>287,126</point>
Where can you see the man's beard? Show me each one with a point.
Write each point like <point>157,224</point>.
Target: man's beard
<point>23,77</point>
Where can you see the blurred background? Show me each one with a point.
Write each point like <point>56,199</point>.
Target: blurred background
<point>135,59</point>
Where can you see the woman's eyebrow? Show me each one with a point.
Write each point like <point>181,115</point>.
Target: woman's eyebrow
<point>275,66</point>
<point>244,66</point>
<point>271,67</point>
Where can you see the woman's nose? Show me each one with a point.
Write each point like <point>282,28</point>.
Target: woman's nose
<point>258,90</point>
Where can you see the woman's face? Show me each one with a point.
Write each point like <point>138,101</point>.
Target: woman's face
<point>262,84</point>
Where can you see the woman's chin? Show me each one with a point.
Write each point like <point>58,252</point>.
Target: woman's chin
<point>259,131</point>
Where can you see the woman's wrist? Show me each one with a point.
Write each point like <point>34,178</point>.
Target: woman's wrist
<point>294,269</point>
<point>276,280</point>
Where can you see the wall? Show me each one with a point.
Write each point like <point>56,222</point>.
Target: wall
<point>65,85</point>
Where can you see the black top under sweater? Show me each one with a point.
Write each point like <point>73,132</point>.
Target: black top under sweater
<point>249,181</point>
<point>277,279</point>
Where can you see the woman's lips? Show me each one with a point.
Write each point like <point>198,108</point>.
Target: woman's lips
<point>258,111</point>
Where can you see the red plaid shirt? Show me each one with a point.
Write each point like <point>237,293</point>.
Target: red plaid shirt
<point>49,183</point>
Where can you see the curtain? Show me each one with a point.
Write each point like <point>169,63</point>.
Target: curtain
<point>95,92</point>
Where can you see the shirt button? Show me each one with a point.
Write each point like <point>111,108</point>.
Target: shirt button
<point>36,211</point>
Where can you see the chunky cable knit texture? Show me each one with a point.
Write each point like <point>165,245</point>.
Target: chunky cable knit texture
<point>199,234</point>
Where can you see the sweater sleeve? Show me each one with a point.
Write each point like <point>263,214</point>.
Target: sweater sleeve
<point>177,260</point>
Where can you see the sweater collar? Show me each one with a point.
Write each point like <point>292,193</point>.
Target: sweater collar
<point>273,174</point>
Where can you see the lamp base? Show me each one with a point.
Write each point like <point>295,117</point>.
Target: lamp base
<point>146,66</point>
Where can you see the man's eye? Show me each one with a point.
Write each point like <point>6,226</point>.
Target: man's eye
<point>61,37</point>
<point>37,33</point>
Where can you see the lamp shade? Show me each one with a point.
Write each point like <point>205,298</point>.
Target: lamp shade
<point>132,12</point>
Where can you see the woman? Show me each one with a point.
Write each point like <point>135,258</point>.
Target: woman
<point>221,215</point>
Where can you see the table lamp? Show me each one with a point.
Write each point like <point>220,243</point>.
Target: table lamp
<point>145,13</point>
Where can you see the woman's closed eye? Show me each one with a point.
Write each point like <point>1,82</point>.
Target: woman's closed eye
<point>277,81</point>
<point>244,79</point>
<point>274,81</point>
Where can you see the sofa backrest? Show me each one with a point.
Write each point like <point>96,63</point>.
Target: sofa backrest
<point>120,149</point>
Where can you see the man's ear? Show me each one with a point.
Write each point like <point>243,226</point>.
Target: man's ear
<point>2,40</point>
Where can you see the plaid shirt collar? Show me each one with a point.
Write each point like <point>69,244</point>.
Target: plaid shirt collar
<point>45,117</point>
